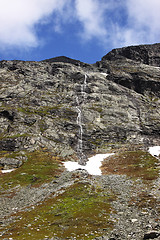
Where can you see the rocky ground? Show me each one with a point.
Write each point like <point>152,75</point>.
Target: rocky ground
<point>62,109</point>
<point>76,205</point>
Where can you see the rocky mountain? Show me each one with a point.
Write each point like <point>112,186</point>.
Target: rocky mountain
<point>60,109</point>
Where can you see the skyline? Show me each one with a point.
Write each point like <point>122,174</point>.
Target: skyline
<point>85,30</point>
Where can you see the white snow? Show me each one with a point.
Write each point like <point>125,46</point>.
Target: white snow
<point>92,166</point>
<point>7,171</point>
<point>154,151</point>
<point>104,74</point>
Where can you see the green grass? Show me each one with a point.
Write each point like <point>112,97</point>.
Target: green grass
<point>81,212</point>
<point>132,163</point>
<point>41,166</point>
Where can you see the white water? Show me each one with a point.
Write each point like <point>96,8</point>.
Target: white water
<point>80,134</point>
<point>83,87</point>
<point>79,120</point>
<point>93,165</point>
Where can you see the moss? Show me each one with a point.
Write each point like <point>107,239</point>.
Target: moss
<point>5,106</point>
<point>25,110</point>
<point>128,69</point>
<point>3,135</point>
<point>145,201</point>
<point>96,108</point>
<point>6,136</point>
<point>42,111</point>
<point>106,146</point>
<point>41,167</point>
<point>9,154</point>
<point>58,111</point>
<point>153,98</point>
<point>81,212</point>
<point>96,142</point>
<point>42,126</point>
<point>132,163</point>
<point>19,135</point>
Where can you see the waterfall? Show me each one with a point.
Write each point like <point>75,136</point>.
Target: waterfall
<point>82,157</point>
<point>80,133</point>
<point>83,87</point>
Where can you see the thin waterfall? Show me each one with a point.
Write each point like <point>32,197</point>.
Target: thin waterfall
<point>83,87</point>
<point>82,157</point>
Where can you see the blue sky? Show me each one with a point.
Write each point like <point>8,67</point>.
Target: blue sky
<point>81,29</point>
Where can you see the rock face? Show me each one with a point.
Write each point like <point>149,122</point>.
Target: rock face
<point>119,102</point>
<point>146,54</point>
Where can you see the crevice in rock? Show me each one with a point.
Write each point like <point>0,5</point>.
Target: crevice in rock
<point>7,115</point>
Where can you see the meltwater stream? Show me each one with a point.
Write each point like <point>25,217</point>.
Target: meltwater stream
<point>82,157</point>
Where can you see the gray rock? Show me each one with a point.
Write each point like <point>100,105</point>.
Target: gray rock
<point>151,235</point>
<point>119,105</point>
<point>10,163</point>
<point>147,54</point>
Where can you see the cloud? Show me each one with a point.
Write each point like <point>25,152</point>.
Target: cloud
<point>117,23</point>
<point>113,23</point>
<point>91,15</point>
<point>142,24</point>
<point>18,19</point>
<point>144,13</point>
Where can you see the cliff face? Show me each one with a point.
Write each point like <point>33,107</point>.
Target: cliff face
<point>119,102</point>
<point>146,54</point>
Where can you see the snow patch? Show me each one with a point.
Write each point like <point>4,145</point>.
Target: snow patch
<point>92,166</point>
<point>7,171</point>
<point>104,74</point>
<point>154,151</point>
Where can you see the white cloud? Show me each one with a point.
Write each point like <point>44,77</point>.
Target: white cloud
<point>142,25</point>
<point>91,15</point>
<point>18,19</point>
<point>114,23</point>
<point>117,23</point>
<point>144,13</point>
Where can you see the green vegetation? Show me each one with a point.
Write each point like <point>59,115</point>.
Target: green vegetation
<point>41,167</point>
<point>125,68</point>
<point>96,108</point>
<point>7,136</point>
<point>5,106</point>
<point>81,212</point>
<point>132,163</point>
<point>3,134</point>
<point>144,200</point>
<point>19,135</point>
<point>9,154</point>
<point>95,142</point>
<point>58,110</point>
<point>41,111</point>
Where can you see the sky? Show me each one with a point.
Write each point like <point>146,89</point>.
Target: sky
<point>85,30</point>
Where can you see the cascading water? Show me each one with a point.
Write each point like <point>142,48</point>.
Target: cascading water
<point>83,87</point>
<point>82,157</point>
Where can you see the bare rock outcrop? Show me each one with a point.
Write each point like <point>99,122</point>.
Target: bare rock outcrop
<point>120,102</point>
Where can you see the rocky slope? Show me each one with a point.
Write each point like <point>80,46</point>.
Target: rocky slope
<point>60,109</point>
